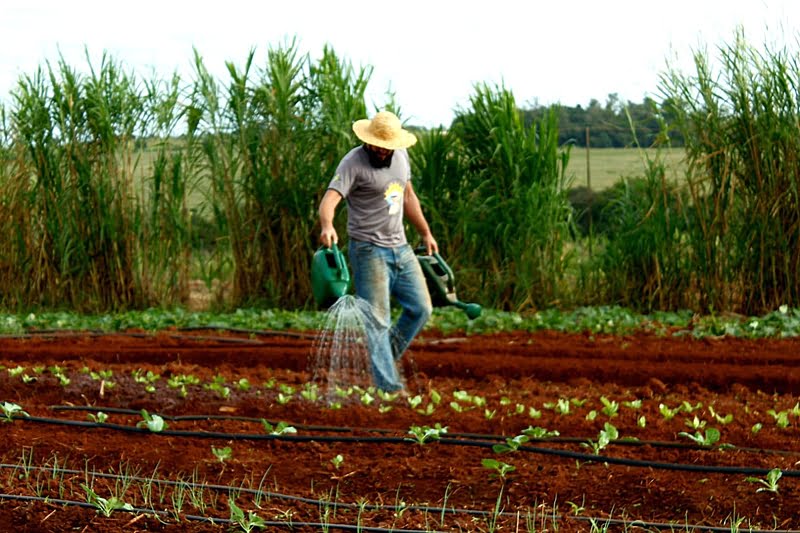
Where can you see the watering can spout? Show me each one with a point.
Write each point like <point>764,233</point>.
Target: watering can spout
<point>441,283</point>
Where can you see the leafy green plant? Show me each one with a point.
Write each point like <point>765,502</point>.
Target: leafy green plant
<point>222,454</point>
<point>770,482</point>
<point>610,407</point>
<point>539,432</point>
<point>708,438</point>
<point>281,428</point>
<point>668,413</point>
<point>10,410</point>
<point>424,434</point>
<point>500,468</point>
<point>604,438</point>
<point>99,418</point>
<point>105,506</point>
<point>154,423</point>
<point>512,444</point>
<point>337,460</point>
<point>781,418</point>
<point>246,523</point>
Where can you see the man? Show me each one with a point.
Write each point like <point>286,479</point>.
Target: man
<point>375,179</point>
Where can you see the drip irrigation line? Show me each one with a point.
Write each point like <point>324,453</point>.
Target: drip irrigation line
<point>325,526</point>
<point>267,494</point>
<point>585,457</point>
<point>474,436</point>
<point>214,521</point>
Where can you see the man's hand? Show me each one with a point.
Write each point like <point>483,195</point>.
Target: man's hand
<point>328,237</point>
<point>430,244</point>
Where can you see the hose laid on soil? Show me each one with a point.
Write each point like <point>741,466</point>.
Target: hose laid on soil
<point>405,440</point>
<point>476,436</point>
<point>216,521</point>
<point>595,521</point>
<point>267,494</point>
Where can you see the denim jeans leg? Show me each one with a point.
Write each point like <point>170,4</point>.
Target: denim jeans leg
<point>372,279</point>
<point>411,292</point>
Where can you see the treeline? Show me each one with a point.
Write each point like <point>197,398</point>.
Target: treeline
<point>615,124</point>
<point>91,219</point>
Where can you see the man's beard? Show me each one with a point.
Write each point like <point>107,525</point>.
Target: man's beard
<point>379,161</point>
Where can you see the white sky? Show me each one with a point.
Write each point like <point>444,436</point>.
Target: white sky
<point>429,52</point>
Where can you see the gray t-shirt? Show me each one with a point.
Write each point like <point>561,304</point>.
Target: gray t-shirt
<point>374,196</point>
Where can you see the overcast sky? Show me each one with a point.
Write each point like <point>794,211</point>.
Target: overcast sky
<point>429,52</point>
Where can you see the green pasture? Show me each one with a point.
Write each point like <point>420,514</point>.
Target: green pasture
<point>608,165</point>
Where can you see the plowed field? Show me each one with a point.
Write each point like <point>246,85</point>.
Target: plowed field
<point>356,464</point>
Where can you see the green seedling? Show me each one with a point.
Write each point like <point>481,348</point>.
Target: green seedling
<point>770,482</point>
<point>286,389</point>
<point>756,428</point>
<point>367,398</point>
<point>387,397</point>
<point>695,423</point>
<point>181,381</point>
<point>689,408</point>
<point>383,408</point>
<point>310,392</point>
<point>462,396</point>
<point>512,444</point>
<point>337,461</point>
<point>666,412</point>
<point>222,454</point>
<point>642,421</point>
<point>577,402</point>
<point>28,379</point>
<point>436,398</point>
<point>147,379</point>
<point>633,404</point>
<point>425,434</point>
<point>534,413</point>
<point>591,415</point>
<point>727,419</point>
<point>489,414</point>
<point>218,385</point>
<point>246,523</point>
<point>283,399</point>
<point>270,383</point>
<point>499,467</point>
<point>243,384</point>
<point>15,372</point>
<point>10,410</point>
<point>604,438</point>
<point>561,406</point>
<point>428,411</point>
<point>99,418</point>
<point>708,438</point>
<point>781,418</point>
<point>154,423</point>
<point>105,506</point>
<point>414,401</point>
<point>539,432</point>
<point>281,428</point>
<point>610,407</point>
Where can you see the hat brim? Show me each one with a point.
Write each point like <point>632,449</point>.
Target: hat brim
<point>403,138</point>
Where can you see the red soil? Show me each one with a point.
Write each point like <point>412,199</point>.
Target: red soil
<point>380,470</point>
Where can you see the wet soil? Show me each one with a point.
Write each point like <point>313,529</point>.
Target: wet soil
<point>354,461</point>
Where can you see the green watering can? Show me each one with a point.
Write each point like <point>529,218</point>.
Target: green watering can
<point>441,283</point>
<point>330,278</point>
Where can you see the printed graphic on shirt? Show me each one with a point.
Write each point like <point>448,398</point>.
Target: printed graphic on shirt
<point>394,197</point>
<point>336,178</point>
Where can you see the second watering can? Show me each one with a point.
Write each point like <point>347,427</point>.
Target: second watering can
<point>330,278</point>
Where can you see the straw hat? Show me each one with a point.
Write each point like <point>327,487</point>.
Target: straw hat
<point>384,130</point>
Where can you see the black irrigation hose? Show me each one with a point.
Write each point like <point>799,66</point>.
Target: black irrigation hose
<point>346,527</point>
<point>214,521</point>
<point>267,494</point>
<point>479,436</point>
<point>405,440</point>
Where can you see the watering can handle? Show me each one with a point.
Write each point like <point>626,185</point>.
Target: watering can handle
<point>338,257</point>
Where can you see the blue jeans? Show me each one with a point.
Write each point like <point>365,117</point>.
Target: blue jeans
<point>378,275</point>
